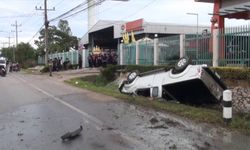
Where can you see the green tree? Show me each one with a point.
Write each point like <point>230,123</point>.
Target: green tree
<point>63,26</point>
<point>26,55</point>
<point>59,39</point>
<point>8,52</point>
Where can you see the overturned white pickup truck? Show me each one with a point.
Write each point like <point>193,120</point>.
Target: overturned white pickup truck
<point>186,83</point>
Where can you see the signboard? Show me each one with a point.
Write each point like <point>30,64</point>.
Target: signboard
<point>136,25</point>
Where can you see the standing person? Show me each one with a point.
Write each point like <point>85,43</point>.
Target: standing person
<point>104,60</point>
<point>80,61</point>
<point>99,60</point>
<point>90,60</point>
<point>50,67</point>
<point>59,63</point>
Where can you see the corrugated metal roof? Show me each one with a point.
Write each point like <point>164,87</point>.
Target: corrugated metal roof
<point>240,7</point>
<point>101,24</point>
<point>148,27</point>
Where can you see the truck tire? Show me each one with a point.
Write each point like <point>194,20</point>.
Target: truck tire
<point>181,65</point>
<point>132,75</point>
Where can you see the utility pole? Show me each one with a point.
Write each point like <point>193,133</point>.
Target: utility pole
<point>46,25</point>
<point>7,36</point>
<point>16,30</point>
<point>4,44</point>
<point>9,39</point>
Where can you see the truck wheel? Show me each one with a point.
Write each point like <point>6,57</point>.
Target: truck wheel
<point>132,75</point>
<point>181,65</point>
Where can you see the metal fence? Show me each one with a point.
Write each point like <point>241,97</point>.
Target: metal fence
<point>146,52</point>
<point>234,49</point>
<point>73,57</point>
<point>168,49</point>
<point>198,48</point>
<point>235,46</point>
<point>129,54</point>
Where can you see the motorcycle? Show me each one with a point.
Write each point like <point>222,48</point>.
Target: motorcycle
<point>3,71</point>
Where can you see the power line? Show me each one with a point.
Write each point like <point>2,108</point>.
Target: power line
<point>16,27</point>
<point>97,3</point>
<point>107,24</point>
<point>64,15</point>
<point>57,4</point>
<point>36,33</point>
<point>145,6</point>
<point>21,16</point>
<point>73,9</point>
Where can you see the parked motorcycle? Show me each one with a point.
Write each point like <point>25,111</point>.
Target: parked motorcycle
<point>3,71</point>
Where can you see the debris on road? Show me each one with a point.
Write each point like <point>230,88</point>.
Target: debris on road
<point>154,120</point>
<point>159,126</point>
<point>116,116</point>
<point>171,123</point>
<point>173,147</point>
<point>72,135</point>
<point>19,134</point>
<point>206,146</point>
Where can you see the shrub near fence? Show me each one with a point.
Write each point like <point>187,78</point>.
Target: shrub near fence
<point>235,73</point>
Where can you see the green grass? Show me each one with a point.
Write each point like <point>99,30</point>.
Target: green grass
<point>198,114</point>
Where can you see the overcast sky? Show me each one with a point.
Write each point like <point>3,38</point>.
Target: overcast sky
<point>163,11</point>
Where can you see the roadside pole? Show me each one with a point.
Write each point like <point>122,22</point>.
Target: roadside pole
<point>227,106</point>
<point>216,47</point>
<point>46,34</point>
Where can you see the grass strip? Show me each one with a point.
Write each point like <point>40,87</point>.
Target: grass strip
<point>198,114</point>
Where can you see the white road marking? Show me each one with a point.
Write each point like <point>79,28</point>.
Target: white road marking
<point>98,123</point>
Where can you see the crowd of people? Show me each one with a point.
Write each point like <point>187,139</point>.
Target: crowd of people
<point>102,59</point>
<point>58,65</point>
<point>94,60</point>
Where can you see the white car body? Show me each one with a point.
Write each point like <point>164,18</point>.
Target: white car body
<point>190,85</point>
<point>3,62</point>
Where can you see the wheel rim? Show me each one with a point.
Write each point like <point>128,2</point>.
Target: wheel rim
<point>132,75</point>
<point>182,62</point>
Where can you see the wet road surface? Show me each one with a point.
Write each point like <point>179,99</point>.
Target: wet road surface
<point>36,111</point>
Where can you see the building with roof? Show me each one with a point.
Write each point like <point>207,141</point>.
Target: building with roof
<point>108,34</point>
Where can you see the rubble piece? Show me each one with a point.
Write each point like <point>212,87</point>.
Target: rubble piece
<point>154,120</point>
<point>19,134</point>
<point>160,126</point>
<point>72,135</point>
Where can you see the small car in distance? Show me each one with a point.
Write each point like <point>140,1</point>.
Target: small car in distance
<point>3,64</point>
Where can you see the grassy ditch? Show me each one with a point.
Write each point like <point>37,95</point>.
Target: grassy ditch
<point>198,114</point>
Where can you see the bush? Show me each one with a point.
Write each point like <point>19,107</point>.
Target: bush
<point>97,80</point>
<point>74,66</point>
<point>45,69</point>
<point>109,73</point>
<point>28,63</point>
<point>233,73</point>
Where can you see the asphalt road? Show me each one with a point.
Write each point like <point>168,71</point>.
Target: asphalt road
<point>36,110</point>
